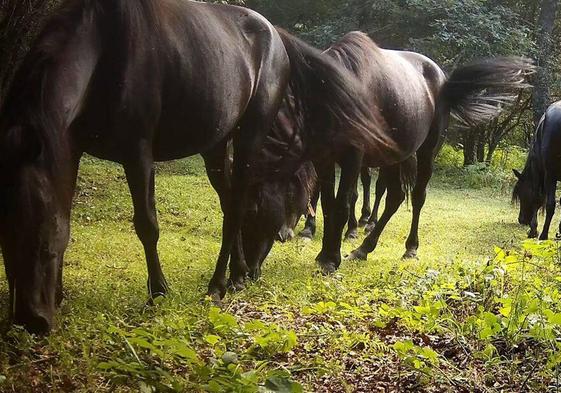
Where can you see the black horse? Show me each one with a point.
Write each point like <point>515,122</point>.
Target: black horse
<point>138,81</point>
<point>536,185</point>
<point>416,98</point>
<point>274,205</point>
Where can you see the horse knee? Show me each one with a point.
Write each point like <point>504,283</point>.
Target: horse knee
<point>146,227</point>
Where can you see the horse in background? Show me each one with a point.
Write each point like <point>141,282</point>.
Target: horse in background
<point>142,81</point>
<point>536,185</point>
<point>416,98</point>
<point>368,217</point>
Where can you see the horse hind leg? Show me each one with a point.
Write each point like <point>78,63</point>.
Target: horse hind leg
<point>310,225</point>
<point>394,199</point>
<point>140,177</point>
<point>418,198</point>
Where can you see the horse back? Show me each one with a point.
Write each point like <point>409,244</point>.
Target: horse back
<point>182,78</point>
<point>549,138</point>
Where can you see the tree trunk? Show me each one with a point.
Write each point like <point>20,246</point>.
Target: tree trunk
<point>542,81</point>
<point>490,152</point>
<point>470,154</point>
<point>480,145</point>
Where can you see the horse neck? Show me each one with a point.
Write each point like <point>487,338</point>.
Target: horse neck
<point>534,168</point>
<point>50,87</point>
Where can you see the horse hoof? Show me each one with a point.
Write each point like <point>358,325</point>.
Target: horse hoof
<point>328,269</point>
<point>158,288</point>
<point>216,291</point>
<point>59,298</point>
<point>285,235</point>
<point>255,275</point>
<point>410,254</point>
<point>154,298</point>
<point>236,284</point>
<point>363,221</point>
<point>532,234</point>
<point>351,235</point>
<point>306,233</point>
<point>357,255</point>
<point>544,237</point>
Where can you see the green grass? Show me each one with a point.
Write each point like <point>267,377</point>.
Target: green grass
<point>436,324</point>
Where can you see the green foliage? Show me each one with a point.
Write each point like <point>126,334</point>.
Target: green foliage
<point>416,325</point>
<point>496,176</point>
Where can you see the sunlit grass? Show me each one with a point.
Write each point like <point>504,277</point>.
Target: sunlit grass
<point>105,281</point>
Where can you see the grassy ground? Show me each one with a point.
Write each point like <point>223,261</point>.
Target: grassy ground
<point>442,323</point>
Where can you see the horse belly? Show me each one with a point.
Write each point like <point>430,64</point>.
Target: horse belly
<point>193,132</point>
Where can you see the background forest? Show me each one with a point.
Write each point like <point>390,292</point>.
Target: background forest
<point>451,32</point>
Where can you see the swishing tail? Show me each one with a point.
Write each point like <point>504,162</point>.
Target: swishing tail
<point>408,174</point>
<point>330,104</point>
<point>479,91</point>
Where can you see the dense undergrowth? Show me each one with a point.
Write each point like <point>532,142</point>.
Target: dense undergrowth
<point>479,311</point>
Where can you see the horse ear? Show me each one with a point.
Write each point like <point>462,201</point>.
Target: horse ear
<point>517,174</point>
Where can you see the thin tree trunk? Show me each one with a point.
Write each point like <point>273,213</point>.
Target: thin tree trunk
<point>546,22</point>
<point>469,139</point>
<point>480,145</point>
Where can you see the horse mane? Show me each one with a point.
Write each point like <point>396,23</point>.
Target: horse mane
<point>355,51</point>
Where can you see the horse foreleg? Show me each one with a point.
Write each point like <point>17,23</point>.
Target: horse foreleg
<point>248,142</point>
<point>352,230</point>
<point>219,171</point>
<point>533,232</point>
<point>379,194</point>
<point>339,210</point>
<point>139,171</point>
<point>550,186</point>
<point>366,180</point>
<point>310,226</point>
<point>72,174</point>
<point>326,182</point>
<point>394,199</point>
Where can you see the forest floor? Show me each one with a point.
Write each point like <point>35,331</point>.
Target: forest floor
<point>480,311</point>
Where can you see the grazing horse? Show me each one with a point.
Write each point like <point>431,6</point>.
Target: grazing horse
<point>139,81</point>
<point>416,99</point>
<point>537,184</point>
<point>274,206</point>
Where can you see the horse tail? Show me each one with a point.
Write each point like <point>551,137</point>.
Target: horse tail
<point>477,92</point>
<point>329,101</point>
<point>408,174</point>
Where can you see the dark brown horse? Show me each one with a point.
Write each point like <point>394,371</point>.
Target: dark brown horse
<point>416,99</point>
<point>274,205</point>
<point>537,184</point>
<point>138,81</point>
